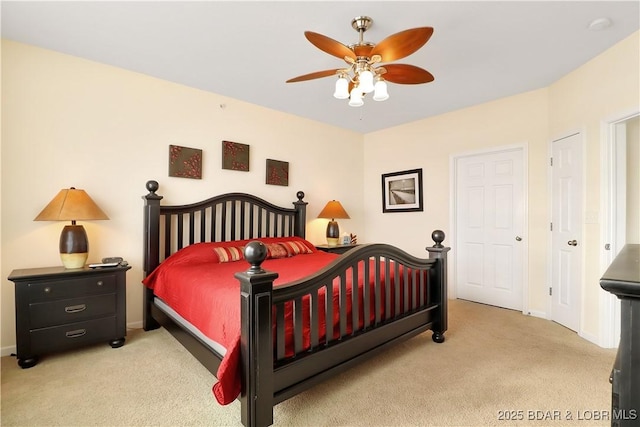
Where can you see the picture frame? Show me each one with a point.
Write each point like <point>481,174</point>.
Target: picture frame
<point>402,191</point>
<point>235,156</point>
<point>185,162</point>
<point>277,172</point>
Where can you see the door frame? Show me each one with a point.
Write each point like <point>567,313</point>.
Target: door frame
<point>610,155</point>
<point>453,173</point>
<point>583,145</point>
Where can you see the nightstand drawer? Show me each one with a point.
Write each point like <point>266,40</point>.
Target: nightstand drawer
<point>71,310</point>
<point>72,287</point>
<point>72,335</point>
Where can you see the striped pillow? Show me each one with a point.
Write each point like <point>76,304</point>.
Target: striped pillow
<point>295,247</point>
<point>231,253</point>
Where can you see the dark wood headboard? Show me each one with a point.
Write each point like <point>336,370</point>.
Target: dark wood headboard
<point>231,216</point>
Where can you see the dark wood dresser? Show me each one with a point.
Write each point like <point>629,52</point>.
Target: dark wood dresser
<point>622,279</point>
<point>59,309</point>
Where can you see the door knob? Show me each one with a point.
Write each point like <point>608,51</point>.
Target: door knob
<point>518,238</point>
<point>572,243</point>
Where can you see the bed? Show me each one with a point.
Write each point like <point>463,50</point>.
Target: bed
<point>234,280</point>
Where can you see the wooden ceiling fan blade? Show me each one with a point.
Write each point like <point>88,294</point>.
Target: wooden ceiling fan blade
<point>329,45</point>
<point>406,74</point>
<point>402,44</point>
<point>314,75</point>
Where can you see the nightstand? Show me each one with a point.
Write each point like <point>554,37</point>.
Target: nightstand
<point>338,249</point>
<point>59,309</point>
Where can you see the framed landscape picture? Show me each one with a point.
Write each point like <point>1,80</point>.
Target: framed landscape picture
<point>402,191</point>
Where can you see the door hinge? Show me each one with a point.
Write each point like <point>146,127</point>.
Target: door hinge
<point>550,226</point>
<point>550,291</point>
<point>551,161</point>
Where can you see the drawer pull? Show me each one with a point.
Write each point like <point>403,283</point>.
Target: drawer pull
<point>47,290</point>
<point>76,334</point>
<point>100,283</point>
<point>75,308</point>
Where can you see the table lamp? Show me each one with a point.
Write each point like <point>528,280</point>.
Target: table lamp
<point>333,210</point>
<point>72,205</point>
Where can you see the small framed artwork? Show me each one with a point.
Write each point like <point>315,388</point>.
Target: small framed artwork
<point>185,162</point>
<point>402,191</point>
<point>235,156</point>
<point>277,172</point>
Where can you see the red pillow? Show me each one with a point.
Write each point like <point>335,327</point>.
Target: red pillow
<point>276,250</point>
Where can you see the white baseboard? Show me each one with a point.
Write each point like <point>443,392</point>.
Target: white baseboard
<point>590,337</point>
<point>8,351</point>
<point>536,313</point>
<point>134,325</point>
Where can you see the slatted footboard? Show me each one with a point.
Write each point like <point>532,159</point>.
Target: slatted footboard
<point>368,299</point>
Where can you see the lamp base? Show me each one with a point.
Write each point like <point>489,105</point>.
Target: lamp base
<point>74,247</point>
<point>333,233</point>
<point>332,241</point>
<point>71,261</point>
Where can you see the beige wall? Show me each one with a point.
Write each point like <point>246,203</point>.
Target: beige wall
<point>605,86</point>
<point>71,122</point>
<point>431,143</point>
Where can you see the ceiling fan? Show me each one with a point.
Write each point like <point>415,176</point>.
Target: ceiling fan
<point>363,75</point>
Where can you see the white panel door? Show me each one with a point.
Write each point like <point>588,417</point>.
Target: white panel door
<point>566,230</point>
<point>490,213</point>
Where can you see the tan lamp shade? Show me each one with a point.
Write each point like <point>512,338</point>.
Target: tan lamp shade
<point>333,210</point>
<point>71,205</point>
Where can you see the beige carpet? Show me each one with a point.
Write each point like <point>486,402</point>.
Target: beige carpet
<point>495,365</point>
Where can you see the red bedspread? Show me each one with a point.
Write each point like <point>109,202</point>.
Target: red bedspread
<point>205,292</point>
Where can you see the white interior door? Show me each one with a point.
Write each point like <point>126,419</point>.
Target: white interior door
<point>566,230</point>
<point>490,217</point>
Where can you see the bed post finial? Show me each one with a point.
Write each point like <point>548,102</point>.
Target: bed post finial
<point>152,186</point>
<point>300,195</point>
<point>255,253</point>
<point>438,237</point>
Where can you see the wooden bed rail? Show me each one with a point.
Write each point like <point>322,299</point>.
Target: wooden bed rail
<point>269,377</point>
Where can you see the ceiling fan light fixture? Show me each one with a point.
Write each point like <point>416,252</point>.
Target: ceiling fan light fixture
<point>355,99</point>
<point>366,81</point>
<point>380,93</point>
<point>342,88</point>
<point>364,59</point>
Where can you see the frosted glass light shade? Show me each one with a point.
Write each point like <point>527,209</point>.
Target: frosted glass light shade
<point>356,98</point>
<point>366,81</point>
<point>342,88</point>
<point>381,93</point>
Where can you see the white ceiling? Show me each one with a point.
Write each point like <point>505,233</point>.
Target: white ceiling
<point>480,50</point>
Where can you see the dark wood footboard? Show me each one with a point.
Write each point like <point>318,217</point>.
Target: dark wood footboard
<point>408,297</point>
